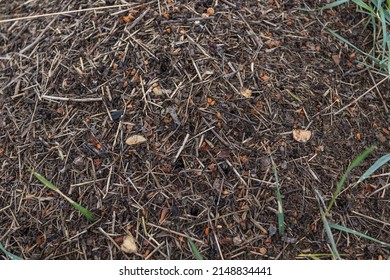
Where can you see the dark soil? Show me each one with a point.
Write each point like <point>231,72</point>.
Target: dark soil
<point>214,97</point>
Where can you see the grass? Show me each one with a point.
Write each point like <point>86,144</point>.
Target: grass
<point>51,186</point>
<point>8,254</point>
<point>329,226</point>
<point>279,199</point>
<point>378,12</point>
<point>355,163</point>
<point>194,249</point>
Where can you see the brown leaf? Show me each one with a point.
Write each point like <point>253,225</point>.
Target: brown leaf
<point>336,59</point>
<point>128,18</point>
<point>40,239</point>
<point>163,215</point>
<point>92,139</point>
<point>301,135</point>
<point>272,43</point>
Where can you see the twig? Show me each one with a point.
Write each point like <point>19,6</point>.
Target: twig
<point>216,134</point>
<point>361,96</point>
<point>155,250</point>
<point>138,19</point>
<point>66,12</point>
<point>110,238</point>
<point>228,3</point>
<point>59,98</point>
<point>370,218</point>
<point>184,20</point>
<point>236,172</point>
<point>38,38</point>
<point>182,147</point>
<point>174,232</point>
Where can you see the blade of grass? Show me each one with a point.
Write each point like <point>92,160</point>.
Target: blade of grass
<point>327,228</point>
<point>316,256</point>
<point>363,5</point>
<point>194,249</point>
<point>384,32</point>
<point>278,198</point>
<point>379,163</point>
<point>377,61</point>
<point>83,211</point>
<point>334,4</point>
<point>53,187</point>
<point>354,232</point>
<point>43,180</point>
<point>355,163</point>
<point>8,254</point>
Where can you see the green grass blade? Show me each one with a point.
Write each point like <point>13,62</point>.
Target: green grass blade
<point>44,181</point>
<point>8,254</point>
<point>328,230</point>
<point>334,4</point>
<point>363,5</point>
<point>355,163</point>
<point>53,187</point>
<point>315,256</point>
<point>83,211</point>
<point>279,199</point>
<point>194,249</point>
<point>354,232</point>
<point>352,45</point>
<point>388,57</point>
<point>384,32</point>
<point>379,163</point>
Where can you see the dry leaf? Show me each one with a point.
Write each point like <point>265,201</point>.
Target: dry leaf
<point>165,14</point>
<point>135,139</point>
<point>336,59</point>
<point>128,18</point>
<point>129,245</point>
<point>163,215</point>
<point>264,77</point>
<point>301,135</point>
<point>272,43</point>
<point>246,92</point>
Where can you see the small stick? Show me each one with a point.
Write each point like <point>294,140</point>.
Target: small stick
<point>59,98</point>
<point>138,19</point>
<point>182,147</point>
<point>184,20</point>
<point>370,218</point>
<point>67,12</point>
<point>361,96</point>
<point>175,232</point>
<point>228,3</point>
<point>155,250</point>
<point>197,70</point>
<point>110,238</point>
<point>236,172</point>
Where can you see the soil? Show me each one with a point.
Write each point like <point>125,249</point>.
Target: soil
<point>216,89</point>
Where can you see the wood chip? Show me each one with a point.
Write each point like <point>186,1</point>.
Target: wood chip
<point>135,139</point>
<point>246,93</point>
<point>301,135</point>
<point>129,246</point>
